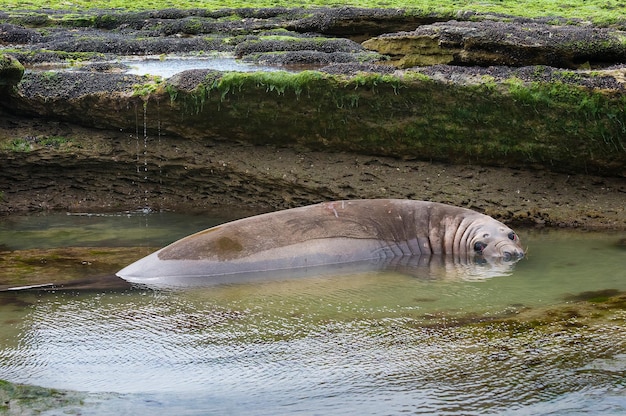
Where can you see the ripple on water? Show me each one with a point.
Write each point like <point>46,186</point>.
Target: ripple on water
<point>331,345</point>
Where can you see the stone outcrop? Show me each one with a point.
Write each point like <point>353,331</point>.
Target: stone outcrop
<point>325,34</point>
<point>523,109</point>
<point>360,24</point>
<point>458,112</point>
<point>56,165</point>
<point>11,71</point>
<point>563,121</point>
<point>501,43</point>
<point>306,35</point>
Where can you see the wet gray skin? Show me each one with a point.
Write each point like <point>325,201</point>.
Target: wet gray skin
<point>365,232</point>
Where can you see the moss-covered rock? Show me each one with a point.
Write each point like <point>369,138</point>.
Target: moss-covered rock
<point>556,125</point>
<point>11,71</point>
<point>502,43</point>
<point>563,126</point>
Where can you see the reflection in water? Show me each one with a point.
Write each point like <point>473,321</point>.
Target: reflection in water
<point>170,66</point>
<point>166,67</point>
<point>367,342</point>
<point>241,355</point>
<point>426,267</point>
<point>98,230</point>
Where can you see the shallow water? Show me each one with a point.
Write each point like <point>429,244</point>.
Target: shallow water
<point>365,342</point>
<point>167,66</point>
<point>173,65</point>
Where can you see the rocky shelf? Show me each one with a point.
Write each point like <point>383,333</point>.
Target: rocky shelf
<point>465,90</point>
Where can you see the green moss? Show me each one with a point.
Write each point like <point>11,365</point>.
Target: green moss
<point>20,145</point>
<point>153,85</point>
<point>33,19</point>
<point>11,70</point>
<point>57,142</point>
<point>601,12</point>
<point>17,146</point>
<point>70,57</point>
<point>594,116</point>
<point>232,83</point>
<point>282,38</point>
<point>557,125</point>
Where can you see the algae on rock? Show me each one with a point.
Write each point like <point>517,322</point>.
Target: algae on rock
<point>561,126</point>
<point>11,71</point>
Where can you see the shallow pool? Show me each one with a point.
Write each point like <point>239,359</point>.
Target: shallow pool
<point>166,67</point>
<point>355,343</point>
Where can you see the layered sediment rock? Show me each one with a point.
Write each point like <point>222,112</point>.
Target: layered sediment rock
<point>490,106</point>
<point>501,43</point>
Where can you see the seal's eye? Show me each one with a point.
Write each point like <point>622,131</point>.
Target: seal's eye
<point>512,236</point>
<point>479,246</point>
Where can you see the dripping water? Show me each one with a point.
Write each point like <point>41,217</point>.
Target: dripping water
<point>141,165</point>
<point>141,160</point>
<point>159,164</point>
<point>137,157</point>
<point>146,206</point>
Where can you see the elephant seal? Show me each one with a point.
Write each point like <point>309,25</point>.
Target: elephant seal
<point>329,233</point>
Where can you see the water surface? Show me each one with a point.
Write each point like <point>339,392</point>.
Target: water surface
<point>362,342</point>
<point>166,67</point>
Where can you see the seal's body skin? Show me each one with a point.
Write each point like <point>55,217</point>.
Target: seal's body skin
<point>328,234</point>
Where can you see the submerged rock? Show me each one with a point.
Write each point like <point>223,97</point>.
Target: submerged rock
<point>25,399</point>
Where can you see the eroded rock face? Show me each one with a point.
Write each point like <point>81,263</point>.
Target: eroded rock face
<point>320,36</point>
<point>501,43</point>
<point>516,119</point>
<point>208,138</point>
<point>359,24</point>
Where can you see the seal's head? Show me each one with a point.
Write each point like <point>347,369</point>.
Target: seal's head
<point>493,239</point>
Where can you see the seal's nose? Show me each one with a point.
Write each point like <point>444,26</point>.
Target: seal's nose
<point>513,255</point>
